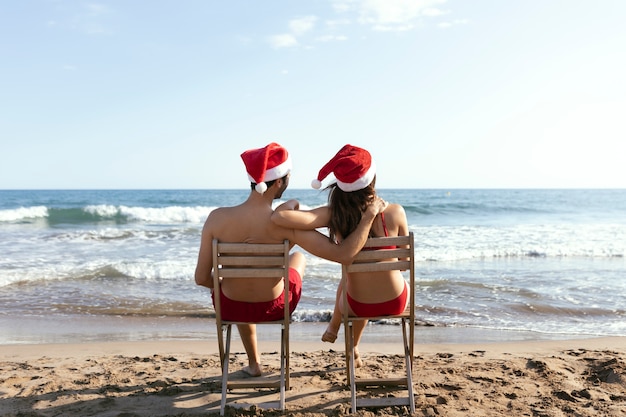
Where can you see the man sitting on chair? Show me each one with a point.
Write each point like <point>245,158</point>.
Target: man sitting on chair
<point>268,170</point>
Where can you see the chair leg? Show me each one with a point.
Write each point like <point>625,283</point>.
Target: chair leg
<point>287,374</point>
<point>225,361</point>
<point>351,367</point>
<point>282,369</point>
<point>220,342</point>
<point>408,364</point>
<point>347,326</point>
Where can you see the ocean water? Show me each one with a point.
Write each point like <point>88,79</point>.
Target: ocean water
<point>90,265</point>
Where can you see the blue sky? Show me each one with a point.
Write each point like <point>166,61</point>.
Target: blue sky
<point>445,94</point>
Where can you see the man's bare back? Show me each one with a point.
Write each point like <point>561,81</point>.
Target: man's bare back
<point>249,222</point>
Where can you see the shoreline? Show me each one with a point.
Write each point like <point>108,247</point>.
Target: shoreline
<point>90,329</point>
<point>198,347</point>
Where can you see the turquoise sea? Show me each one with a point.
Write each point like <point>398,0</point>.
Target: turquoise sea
<point>94,265</point>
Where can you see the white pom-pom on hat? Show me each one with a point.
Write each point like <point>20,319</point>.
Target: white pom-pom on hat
<point>261,188</point>
<point>317,184</point>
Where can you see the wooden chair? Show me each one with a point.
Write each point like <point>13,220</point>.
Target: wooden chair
<point>370,260</point>
<point>243,260</point>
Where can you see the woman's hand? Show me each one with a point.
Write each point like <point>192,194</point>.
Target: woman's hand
<point>376,206</point>
<point>289,205</point>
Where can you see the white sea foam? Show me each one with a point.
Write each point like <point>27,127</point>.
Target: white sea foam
<point>102,210</point>
<point>161,215</point>
<point>173,214</point>
<point>23,213</point>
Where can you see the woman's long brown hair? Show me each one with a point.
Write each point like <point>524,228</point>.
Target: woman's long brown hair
<point>346,209</point>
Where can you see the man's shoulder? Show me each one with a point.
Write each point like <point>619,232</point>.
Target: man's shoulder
<point>224,211</point>
<point>218,217</point>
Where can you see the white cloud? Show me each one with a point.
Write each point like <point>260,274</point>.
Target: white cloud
<point>331,38</point>
<point>379,15</point>
<point>297,27</point>
<point>342,6</point>
<point>393,28</point>
<point>338,22</point>
<point>302,25</point>
<point>434,12</point>
<point>445,25</point>
<point>286,40</point>
<point>396,14</point>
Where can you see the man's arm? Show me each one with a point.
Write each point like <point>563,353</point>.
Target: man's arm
<point>204,267</point>
<point>344,252</point>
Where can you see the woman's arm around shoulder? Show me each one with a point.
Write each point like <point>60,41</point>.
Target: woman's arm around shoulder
<point>287,215</point>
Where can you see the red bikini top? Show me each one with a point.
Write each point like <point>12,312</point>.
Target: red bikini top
<point>382,218</point>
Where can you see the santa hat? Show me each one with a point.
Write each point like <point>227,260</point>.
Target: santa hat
<point>353,168</point>
<point>266,164</point>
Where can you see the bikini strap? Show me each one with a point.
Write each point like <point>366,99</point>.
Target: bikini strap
<point>382,218</point>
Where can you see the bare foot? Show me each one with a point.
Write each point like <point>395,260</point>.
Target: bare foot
<point>358,362</point>
<point>252,371</point>
<point>329,336</point>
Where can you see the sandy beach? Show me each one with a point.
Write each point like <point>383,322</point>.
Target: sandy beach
<point>582,377</point>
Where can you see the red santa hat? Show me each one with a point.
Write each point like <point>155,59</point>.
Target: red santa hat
<point>266,164</point>
<point>353,168</point>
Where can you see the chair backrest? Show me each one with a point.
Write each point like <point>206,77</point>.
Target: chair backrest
<point>249,260</point>
<point>235,261</point>
<point>385,254</point>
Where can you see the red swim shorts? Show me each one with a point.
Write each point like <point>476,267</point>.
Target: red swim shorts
<point>386,308</point>
<point>234,310</point>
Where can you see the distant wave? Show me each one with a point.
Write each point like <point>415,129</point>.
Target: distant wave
<point>23,214</point>
<point>107,213</point>
<point>468,209</point>
<point>171,214</point>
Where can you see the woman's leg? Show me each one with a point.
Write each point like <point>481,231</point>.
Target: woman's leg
<point>332,330</point>
<point>358,327</point>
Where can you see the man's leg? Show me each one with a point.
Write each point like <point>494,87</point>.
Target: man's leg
<point>247,332</point>
<point>297,261</point>
<point>248,338</point>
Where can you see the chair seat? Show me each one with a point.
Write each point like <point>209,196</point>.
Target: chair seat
<point>406,314</point>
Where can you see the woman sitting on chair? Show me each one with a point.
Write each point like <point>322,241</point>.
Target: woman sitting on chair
<point>368,294</point>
